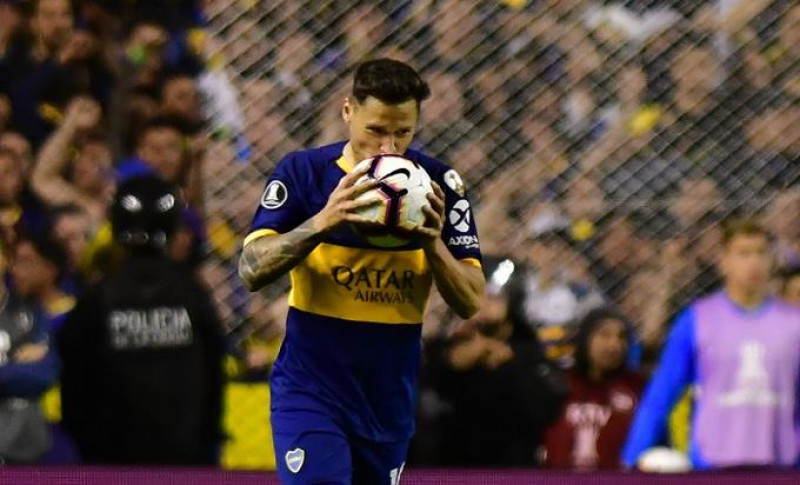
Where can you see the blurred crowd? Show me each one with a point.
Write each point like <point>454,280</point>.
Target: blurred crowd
<point>603,142</point>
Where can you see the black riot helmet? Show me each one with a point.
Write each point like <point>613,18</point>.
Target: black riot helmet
<point>145,213</point>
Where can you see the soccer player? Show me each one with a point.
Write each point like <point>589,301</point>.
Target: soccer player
<point>344,384</point>
<point>740,348</point>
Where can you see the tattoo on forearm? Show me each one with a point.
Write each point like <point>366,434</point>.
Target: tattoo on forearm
<point>266,259</point>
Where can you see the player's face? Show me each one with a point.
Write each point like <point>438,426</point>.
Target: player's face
<point>607,346</point>
<point>747,261</point>
<point>377,127</point>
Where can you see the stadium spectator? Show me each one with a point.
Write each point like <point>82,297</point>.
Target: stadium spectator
<point>144,53</point>
<point>602,399</point>
<point>553,295</point>
<point>85,179</point>
<point>738,347</point>
<point>180,100</point>
<point>20,211</point>
<point>142,350</point>
<point>495,383</point>
<point>72,227</point>
<point>17,143</point>
<point>37,270</point>
<point>459,37</point>
<point>28,366</point>
<point>771,150</point>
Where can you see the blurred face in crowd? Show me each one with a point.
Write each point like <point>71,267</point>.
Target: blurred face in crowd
<point>455,25</point>
<point>446,104</point>
<point>791,290</point>
<point>790,31</point>
<point>695,71</point>
<point>746,262</point>
<point>269,136</point>
<point>470,159</point>
<point>607,346</point>
<point>295,52</point>
<point>697,198</point>
<point>73,230</point>
<point>32,273</point>
<point>767,131</point>
<point>783,215</point>
<point>180,98</point>
<point>91,169</point>
<point>641,289</point>
<point>585,200</point>
<point>162,149</point>
<point>10,178</point>
<point>376,127</point>
<point>546,107</point>
<point>631,85</point>
<point>52,22</point>
<point>548,253</point>
<point>364,28</point>
<point>491,92</point>
<point>622,249</point>
<point>244,45</point>
<point>17,143</point>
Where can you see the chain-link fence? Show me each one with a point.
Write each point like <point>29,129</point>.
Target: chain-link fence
<point>630,128</point>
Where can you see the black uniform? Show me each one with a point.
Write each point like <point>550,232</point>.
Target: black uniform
<point>142,356</point>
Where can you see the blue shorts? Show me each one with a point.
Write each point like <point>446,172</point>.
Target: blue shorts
<point>312,448</point>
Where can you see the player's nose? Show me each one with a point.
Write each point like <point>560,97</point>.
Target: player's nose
<point>388,145</point>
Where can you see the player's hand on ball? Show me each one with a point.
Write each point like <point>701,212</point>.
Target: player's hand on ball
<point>342,204</point>
<point>431,229</point>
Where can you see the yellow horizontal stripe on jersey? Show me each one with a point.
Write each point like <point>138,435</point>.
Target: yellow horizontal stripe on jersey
<point>257,234</point>
<point>472,262</point>
<point>365,285</point>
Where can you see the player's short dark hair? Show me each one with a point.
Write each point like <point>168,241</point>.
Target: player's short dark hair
<point>389,81</point>
<point>743,227</point>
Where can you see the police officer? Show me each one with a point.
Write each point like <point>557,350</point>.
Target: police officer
<point>142,350</point>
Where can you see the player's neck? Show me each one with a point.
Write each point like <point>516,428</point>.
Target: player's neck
<point>748,298</point>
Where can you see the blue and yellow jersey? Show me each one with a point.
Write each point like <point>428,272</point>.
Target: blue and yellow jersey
<point>352,341</point>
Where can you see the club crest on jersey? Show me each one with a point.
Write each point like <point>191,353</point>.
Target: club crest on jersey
<point>460,216</point>
<point>295,459</point>
<point>453,180</point>
<point>274,195</point>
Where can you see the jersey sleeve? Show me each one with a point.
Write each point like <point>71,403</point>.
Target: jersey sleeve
<point>282,205</point>
<point>459,233</point>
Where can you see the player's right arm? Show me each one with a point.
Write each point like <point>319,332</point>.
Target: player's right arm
<point>676,370</point>
<point>269,256</point>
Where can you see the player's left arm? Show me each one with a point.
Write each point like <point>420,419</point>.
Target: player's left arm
<point>459,282</point>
